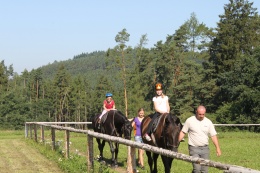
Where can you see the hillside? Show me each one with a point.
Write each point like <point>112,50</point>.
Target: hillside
<point>88,64</point>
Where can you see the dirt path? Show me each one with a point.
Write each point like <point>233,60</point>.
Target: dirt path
<point>17,157</point>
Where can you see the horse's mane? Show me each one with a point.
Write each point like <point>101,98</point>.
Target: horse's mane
<point>122,115</point>
<point>169,117</point>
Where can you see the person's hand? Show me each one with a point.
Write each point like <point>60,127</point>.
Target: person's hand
<point>218,152</point>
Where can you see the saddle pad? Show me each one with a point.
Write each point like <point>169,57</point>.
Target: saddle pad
<point>104,117</point>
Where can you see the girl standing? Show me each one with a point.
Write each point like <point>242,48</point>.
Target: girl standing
<point>137,133</point>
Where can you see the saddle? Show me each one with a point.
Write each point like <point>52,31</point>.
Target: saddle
<point>103,119</point>
<point>156,123</point>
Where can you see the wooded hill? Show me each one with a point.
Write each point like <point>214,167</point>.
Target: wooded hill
<point>216,67</point>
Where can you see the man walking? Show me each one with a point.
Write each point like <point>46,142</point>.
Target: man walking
<point>199,128</point>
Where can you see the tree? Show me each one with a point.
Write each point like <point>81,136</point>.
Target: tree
<point>103,86</point>
<point>140,79</point>
<point>242,85</point>
<point>193,36</point>
<point>78,100</point>
<point>237,35</point>
<point>3,77</point>
<point>62,85</point>
<point>120,54</point>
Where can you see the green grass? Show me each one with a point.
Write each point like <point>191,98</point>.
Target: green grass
<point>238,148</point>
<point>9,134</point>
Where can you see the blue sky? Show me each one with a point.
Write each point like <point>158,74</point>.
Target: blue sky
<point>36,33</point>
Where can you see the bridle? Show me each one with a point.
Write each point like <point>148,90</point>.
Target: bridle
<point>114,131</point>
<point>124,128</point>
<point>167,141</point>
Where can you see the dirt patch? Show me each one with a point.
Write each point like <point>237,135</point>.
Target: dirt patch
<point>16,156</point>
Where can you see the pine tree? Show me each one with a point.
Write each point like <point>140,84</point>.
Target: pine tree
<point>237,35</point>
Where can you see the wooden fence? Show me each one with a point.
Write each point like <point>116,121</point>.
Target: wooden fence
<point>31,127</point>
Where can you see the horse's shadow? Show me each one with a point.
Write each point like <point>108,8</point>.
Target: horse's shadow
<point>107,162</point>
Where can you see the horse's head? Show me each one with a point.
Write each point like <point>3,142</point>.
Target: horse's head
<point>127,129</point>
<point>172,130</point>
<point>126,126</point>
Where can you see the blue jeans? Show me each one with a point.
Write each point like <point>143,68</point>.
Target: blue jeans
<point>138,139</point>
<point>201,152</point>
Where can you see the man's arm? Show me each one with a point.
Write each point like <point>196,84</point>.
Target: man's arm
<point>181,135</point>
<point>215,141</point>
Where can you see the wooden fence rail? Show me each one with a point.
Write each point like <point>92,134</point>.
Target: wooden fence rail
<point>227,168</point>
<point>234,125</point>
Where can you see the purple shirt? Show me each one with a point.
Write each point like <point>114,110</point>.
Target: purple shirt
<point>137,126</point>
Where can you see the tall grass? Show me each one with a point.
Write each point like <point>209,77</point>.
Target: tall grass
<point>238,148</point>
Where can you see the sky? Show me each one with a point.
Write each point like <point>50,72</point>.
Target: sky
<point>37,33</point>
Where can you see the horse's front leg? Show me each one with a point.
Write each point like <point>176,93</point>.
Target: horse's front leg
<point>101,147</point>
<point>150,160</point>
<point>112,149</point>
<point>155,157</point>
<point>116,153</point>
<point>167,162</point>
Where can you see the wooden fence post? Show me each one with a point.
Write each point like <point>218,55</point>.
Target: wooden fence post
<point>26,130</point>
<point>30,130</point>
<point>42,133</point>
<point>131,166</point>
<point>90,154</point>
<point>67,143</point>
<point>35,132</point>
<point>53,138</point>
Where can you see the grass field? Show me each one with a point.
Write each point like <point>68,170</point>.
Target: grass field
<point>18,157</point>
<point>238,148</point>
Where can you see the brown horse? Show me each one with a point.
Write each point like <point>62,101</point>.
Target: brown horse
<point>164,136</point>
<point>115,123</point>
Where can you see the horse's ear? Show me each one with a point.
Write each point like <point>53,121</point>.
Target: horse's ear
<point>178,121</point>
<point>167,118</point>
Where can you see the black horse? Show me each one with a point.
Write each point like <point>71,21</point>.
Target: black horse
<point>165,135</point>
<point>114,123</point>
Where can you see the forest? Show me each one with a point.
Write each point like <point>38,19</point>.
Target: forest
<point>216,67</point>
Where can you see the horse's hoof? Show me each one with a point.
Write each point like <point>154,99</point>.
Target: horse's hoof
<point>102,162</point>
<point>99,158</point>
<point>114,165</point>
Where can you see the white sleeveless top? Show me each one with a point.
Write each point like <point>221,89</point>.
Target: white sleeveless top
<point>161,102</point>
